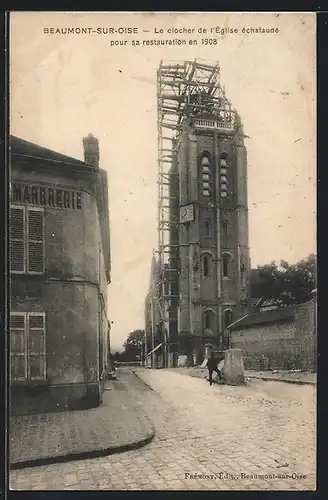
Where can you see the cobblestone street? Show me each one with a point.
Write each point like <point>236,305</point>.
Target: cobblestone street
<point>207,438</point>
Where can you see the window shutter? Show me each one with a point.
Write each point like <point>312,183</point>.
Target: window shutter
<point>36,348</point>
<point>18,359</point>
<point>17,254</point>
<point>35,231</point>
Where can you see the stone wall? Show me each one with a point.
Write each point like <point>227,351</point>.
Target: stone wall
<point>289,344</point>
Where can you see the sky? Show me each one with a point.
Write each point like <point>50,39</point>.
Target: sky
<point>64,86</point>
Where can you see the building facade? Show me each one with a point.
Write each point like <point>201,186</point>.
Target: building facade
<point>59,273</point>
<point>156,355</point>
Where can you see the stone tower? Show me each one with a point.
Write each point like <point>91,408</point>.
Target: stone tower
<point>213,232</point>
<point>207,271</point>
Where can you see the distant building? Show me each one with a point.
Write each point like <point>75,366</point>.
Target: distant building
<point>282,338</point>
<point>59,269</point>
<point>153,336</point>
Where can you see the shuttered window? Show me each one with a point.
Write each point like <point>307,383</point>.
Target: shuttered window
<point>36,345</point>
<point>27,346</point>
<point>17,239</point>
<point>26,240</point>
<point>18,361</point>
<point>35,238</point>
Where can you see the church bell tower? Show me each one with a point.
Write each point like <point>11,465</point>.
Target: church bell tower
<point>205,256</point>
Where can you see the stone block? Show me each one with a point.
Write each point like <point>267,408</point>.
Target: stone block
<point>182,360</point>
<point>233,370</point>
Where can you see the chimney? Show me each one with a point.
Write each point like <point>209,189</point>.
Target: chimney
<point>91,150</point>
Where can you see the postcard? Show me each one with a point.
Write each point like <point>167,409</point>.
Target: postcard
<point>163,331</point>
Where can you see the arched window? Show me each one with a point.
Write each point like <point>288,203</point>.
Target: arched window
<point>226,259</point>
<point>209,319</point>
<point>206,176</point>
<point>207,227</point>
<point>227,318</point>
<point>207,265</point>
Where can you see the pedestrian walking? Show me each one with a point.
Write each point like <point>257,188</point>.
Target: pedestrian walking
<point>212,366</point>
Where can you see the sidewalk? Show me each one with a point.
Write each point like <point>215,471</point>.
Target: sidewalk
<point>276,376</point>
<point>119,424</point>
<point>284,376</point>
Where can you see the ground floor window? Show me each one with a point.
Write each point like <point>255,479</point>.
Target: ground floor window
<point>27,346</point>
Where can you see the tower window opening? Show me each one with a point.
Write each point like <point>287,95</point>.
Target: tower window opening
<point>209,320</point>
<point>226,258</point>
<point>227,318</point>
<point>207,264</point>
<point>207,228</point>
<point>206,176</point>
<point>223,175</point>
<point>225,228</point>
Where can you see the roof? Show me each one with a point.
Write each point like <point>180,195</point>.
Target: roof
<point>259,318</point>
<point>25,148</point>
<point>267,303</point>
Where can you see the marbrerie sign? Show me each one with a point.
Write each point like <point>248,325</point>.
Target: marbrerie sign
<point>45,196</point>
<point>213,124</point>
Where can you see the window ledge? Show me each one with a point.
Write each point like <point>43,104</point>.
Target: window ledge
<point>29,383</point>
<point>15,274</point>
<point>226,278</point>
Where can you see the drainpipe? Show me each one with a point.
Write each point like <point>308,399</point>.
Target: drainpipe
<point>152,331</point>
<point>145,348</point>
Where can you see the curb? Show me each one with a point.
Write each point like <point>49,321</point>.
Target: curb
<point>273,379</point>
<point>84,455</point>
<point>145,383</point>
<point>269,379</point>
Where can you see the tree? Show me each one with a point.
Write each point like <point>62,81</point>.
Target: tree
<point>287,283</point>
<point>117,356</point>
<point>133,345</point>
